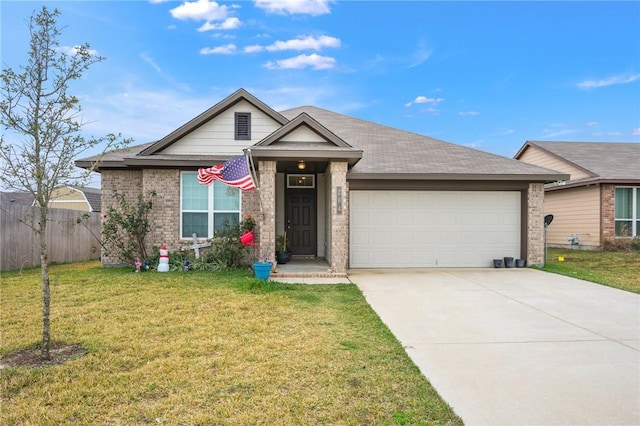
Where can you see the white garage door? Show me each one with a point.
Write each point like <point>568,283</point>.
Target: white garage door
<point>433,228</point>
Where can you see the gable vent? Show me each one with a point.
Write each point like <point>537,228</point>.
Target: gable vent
<point>243,125</point>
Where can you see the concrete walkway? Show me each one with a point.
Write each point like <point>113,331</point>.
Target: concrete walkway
<point>516,346</point>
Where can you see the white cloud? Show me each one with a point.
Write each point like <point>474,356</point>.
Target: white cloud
<point>610,81</point>
<point>635,132</point>
<point>228,24</point>
<point>469,113</point>
<point>292,7</point>
<point>421,54</point>
<point>555,133</point>
<point>73,50</point>
<point>227,49</point>
<point>254,48</point>
<point>424,100</point>
<point>592,124</point>
<point>208,11</point>
<point>201,10</point>
<point>157,1</point>
<point>149,60</point>
<point>305,43</point>
<point>314,61</point>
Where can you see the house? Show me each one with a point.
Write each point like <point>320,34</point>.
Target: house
<point>356,193</point>
<point>63,197</point>
<point>76,198</point>
<point>601,198</point>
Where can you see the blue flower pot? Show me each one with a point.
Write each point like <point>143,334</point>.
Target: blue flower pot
<point>262,270</point>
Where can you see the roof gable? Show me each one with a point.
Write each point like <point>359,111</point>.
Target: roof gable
<point>204,118</point>
<point>287,133</point>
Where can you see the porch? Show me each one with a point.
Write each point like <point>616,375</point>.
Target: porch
<point>308,271</point>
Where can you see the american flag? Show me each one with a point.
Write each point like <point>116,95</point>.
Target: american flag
<point>234,172</point>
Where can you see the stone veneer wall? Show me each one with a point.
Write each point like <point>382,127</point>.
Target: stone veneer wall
<point>127,182</point>
<point>607,212</point>
<point>267,220</point>
<point>339,220</point>
<point>535,224</point>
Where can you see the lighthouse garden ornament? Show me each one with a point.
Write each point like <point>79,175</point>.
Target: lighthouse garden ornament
<point>163,265</point>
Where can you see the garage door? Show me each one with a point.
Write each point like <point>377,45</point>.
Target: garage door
<point>433,228</point>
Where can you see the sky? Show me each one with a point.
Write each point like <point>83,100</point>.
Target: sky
<point>487,75</point>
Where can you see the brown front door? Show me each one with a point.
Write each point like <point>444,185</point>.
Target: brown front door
<point>300,220</point>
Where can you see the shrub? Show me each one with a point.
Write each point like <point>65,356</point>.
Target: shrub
<point>125,227</point>
<point>227,250</point>
<point>620,244</point>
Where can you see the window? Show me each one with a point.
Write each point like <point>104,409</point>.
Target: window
<point>301,181</point>
<point>243,125</point>
<point>205,208</point>
<point>627,211</point>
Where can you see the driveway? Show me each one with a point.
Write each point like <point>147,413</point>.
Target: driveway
<point>516,346</point>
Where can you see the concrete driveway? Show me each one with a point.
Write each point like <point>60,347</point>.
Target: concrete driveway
<point>516,346</point>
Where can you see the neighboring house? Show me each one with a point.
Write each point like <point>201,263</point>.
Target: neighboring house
<point>76,198</point>
<point>64,197</point>
<point>356,193</point>
<point>601,198</point>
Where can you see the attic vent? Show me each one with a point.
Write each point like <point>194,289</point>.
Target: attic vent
<point>243,125</point>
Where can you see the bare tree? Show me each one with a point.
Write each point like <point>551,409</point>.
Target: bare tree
<point>42,130</point>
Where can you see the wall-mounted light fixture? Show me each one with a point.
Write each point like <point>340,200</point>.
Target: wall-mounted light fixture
<point>302,165</point>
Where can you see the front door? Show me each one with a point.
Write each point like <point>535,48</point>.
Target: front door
<point>300,219</point>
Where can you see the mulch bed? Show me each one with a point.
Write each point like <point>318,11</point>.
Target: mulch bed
<point>59,353</point>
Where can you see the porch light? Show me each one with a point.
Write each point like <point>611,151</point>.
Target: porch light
<point>302,165</point>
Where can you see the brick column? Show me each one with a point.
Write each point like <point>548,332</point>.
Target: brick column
<point>339,217</point>
<point>535,224</point>
<point>607,212</point>
<point>267,220</point>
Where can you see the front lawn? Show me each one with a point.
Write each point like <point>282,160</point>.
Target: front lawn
<point>206,348</point>
<point>614,269</point>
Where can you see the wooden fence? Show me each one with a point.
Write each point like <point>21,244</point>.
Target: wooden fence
<point>69,241</point>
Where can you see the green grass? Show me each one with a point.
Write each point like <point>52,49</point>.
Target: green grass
<point>614,269</point>
<point>206,348</point>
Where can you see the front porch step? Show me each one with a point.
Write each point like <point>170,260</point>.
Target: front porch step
<point>311,274</point>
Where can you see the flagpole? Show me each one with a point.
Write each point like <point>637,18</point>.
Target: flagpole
<point>254,176</point>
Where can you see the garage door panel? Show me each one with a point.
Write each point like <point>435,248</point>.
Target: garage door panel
<point>433,228</point>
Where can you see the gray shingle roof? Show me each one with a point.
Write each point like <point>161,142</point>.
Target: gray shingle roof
<point>94,197</point>
<point>605,160</point>
<point>392,151</point>
<point>387,153</point>
<point>22,198</point>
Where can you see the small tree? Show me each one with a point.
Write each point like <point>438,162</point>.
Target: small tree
<point>46,121</point>
<point>125,227</point>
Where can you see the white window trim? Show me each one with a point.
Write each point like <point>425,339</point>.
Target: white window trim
<point>210,211</point>
<point>635,214</point>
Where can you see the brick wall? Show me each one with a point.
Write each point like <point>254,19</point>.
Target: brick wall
<point>127,182</point>
<point>535,224</point>
<point>607,211</point>
<point>165,214</point>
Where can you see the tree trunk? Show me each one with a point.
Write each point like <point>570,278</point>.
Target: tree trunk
<point>46,293</point>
